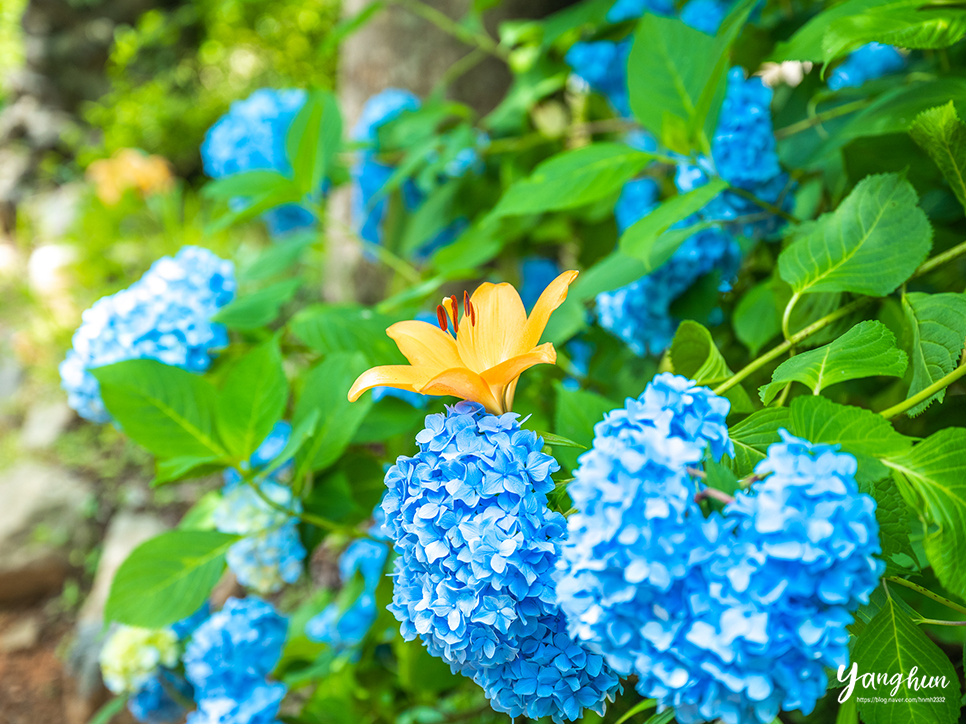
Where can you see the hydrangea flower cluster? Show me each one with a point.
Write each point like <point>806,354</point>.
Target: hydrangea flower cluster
<point>869,62</point>
<point>133,655</point>
<point>705,15</point>
<point>370,175</point>
<point>632,9</point>
<point>732,616</point>
<point>271,553</point>
<point>477,545</point>
<point>603,66</point>
<point>228,661</point>
<point>536,273</point>
<point>166,316</point>
<point>252,135</point>
<point>640,313</point>
<point>743,153</point>
<point>154,704</point>
<point>345,627</point>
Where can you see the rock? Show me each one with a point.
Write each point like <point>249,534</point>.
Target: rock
<point>41,515</point>
<point>44,423</point>
<point>52,213</point>
<point>22,635</point>
<point>85,690</point>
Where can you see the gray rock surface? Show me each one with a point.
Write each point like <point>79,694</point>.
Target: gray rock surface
<point>41,517</point>
<point>44,423</point>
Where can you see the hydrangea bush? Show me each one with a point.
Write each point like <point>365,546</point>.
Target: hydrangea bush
<point>704,464</point>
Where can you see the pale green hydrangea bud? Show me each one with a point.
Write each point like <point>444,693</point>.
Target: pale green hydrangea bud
<point>132,655</point>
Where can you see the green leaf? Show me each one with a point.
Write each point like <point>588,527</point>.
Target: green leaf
<point>756,320</point>
<point>167,578</point>
<point>171,470</point>
<point>819,420</point>
<point>669,67</point>
<point>573,178</point>
<point>932,478</point>
<point>892,644</point>
<point>892,112</point>
<point>926,26</point>
<point>895,524</point>
<point>694,354</point>
<point>258,308</point>
<point>754,434</point>
<point>329,328</point>
<point>938,323</point>
<point>247,184</point>
<point>870,244</point>
<point>652,240</point>
<point>473,248</point>
<point>559,440</point>
<point>575,414</point>
<point>165,409</point>
<point>301,433</point>
<point>283,193</point>
<point>111,709</point>
<point>325,390</point>
<point>279,257</point>
<point>313,140</point>
<point>867,350</point>
<point>252,399</point>
<point>943,136</point>
<point>429,219</point>
<point>640,706</point>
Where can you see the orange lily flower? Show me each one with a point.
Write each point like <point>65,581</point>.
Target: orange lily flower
<point>495,341</point>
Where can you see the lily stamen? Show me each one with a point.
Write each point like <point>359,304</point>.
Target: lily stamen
<point>455,312</point>
<point>441,316</point>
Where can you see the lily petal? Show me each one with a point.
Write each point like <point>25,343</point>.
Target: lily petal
<point>505,372</point>
<point>500,315</point>
<point>553,296</point>
<point>425,345</point>
<point>461,382</point>
<point>402,377</point>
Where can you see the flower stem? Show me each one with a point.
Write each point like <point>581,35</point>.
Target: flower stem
<point>791,342</point>
<point>767,205</point>
<point>820,118</point>
<point>927,593</point>
<point>451,27</point>
<point>714,494</point>
<point>937,622</point>
<point>925,394</point>
<point>940,259</point>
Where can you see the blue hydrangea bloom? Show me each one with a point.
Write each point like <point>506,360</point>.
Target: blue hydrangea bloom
<point>345,627</point>
<point>552,676</point>
<point>271,552</point>
<point>476,542</point>
<point>869,62</point>
<point>705,15</point>
<point>165,316</point>
<point>153,703</point>
<point>477,547</point>
<point>603,65</point>
<point>743,153</point>
<point>640,313</point>
<point>730,617</point>
<point>186,626</point>
<point>258,705</point>
<point>235,649</point>
<point>536,273</point>
<point>413,398</point>
<point>638,198</point>
<point>632,9</point>
<point>252,135</point>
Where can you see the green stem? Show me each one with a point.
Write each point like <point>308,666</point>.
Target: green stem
<point>787,316</point>
<point>781,349</point>
<point>451,27</point>
<point>820,118</point>
<point>940,259</point>
<point>306,517</point>
<point>927,593</point>
<point>937,622</point>
<point>768,206</point>
<point>925,394</point>
<point>393,261</point>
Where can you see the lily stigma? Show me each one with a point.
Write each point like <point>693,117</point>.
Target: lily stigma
<point>478,356</point>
